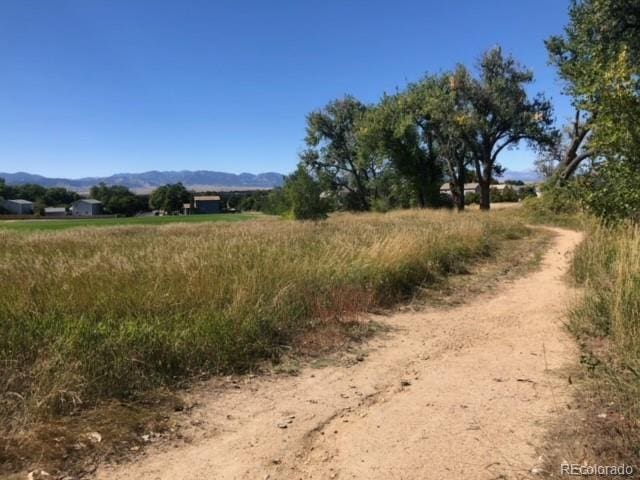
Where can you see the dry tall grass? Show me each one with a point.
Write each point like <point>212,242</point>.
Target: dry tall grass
<point>608,265</point>
<point>106,313</point>
<point>607,322</point>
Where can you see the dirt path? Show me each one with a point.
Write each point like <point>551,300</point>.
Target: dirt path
<point>464,392</point>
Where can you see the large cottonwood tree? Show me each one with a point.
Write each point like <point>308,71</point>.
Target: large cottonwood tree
<point>496,113</point>
<point>394,131</point>
<point>334,154</point>
<point>436,105</point>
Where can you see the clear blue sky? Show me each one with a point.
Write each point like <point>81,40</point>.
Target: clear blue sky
<point>95,87</point>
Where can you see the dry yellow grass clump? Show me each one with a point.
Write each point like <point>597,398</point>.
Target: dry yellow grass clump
<point>608,265</point>
<point>106,313</point>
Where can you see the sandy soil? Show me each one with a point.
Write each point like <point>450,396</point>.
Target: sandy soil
<point>457,393</point>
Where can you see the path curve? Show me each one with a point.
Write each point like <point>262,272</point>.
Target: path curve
<point>464,392</point>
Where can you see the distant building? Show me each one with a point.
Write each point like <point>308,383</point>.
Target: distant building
<point>86,207</point>
<point>468,188</point>
<point>55,212</point>
<point>203,204</point>
<point>501,186</point>
<point>18,207</point>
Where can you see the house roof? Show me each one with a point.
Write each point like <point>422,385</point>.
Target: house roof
<point>467,186</point>
<point>89,200</point>
<point>206,197</point>
<point>20,201</point>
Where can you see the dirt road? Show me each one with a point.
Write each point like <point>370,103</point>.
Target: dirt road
<point>458,393</point>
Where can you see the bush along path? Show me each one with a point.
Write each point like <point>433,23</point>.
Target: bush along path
<point>463,392</point>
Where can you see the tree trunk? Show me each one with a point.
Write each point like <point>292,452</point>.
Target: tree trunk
<point>485,194</point>
<point>457,190</point>
<point>457,194</point>
<point>572,160</point>
<point>422,200</point>
<point>573,164</point>
<point>484,179</point>
<point>458,200</point>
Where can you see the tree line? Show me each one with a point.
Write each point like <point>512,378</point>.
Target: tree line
<point>447,127</point>
<point>453,127</point>
<point>41,196</point>
<point>119,200</point>
<point>116,199</point>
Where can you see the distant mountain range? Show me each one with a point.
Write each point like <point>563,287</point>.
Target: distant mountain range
<point>526,176</point>
<point>144,182</point>
<point>201,180</point>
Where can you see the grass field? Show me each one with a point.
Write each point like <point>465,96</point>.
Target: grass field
<point>65,223</point>
<point>92,313</point>
<point>108,317</point>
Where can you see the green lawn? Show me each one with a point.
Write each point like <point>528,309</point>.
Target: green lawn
<point>62,224</point>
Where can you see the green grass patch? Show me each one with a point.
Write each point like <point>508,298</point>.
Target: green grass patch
<point>66,223</point>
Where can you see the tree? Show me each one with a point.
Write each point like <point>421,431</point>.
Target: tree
<point>169,198</point>
<point>598,57</point>
<point>276,202</point>
<point>27,191</point>
<point>394,190</point>
<point>576,148</point>
<point>569,151</point>
<point>58,197</point>
<point>396,131</point>
<point>255,201</point>
<point>304,196</point>
<point>495,113</point>
<point>117,199</point>
<point>39,208</point>
<point>437,105</point>
<point>334,154</point>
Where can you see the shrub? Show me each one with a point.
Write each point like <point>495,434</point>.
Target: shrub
<point>558,205</point>
<point>509,195</point>
<point>527,191</point>
<point>471,197</point>
<point>276,202</point>
<point>613,193</point>
<point>304,196</point>
<point>445,201</point>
